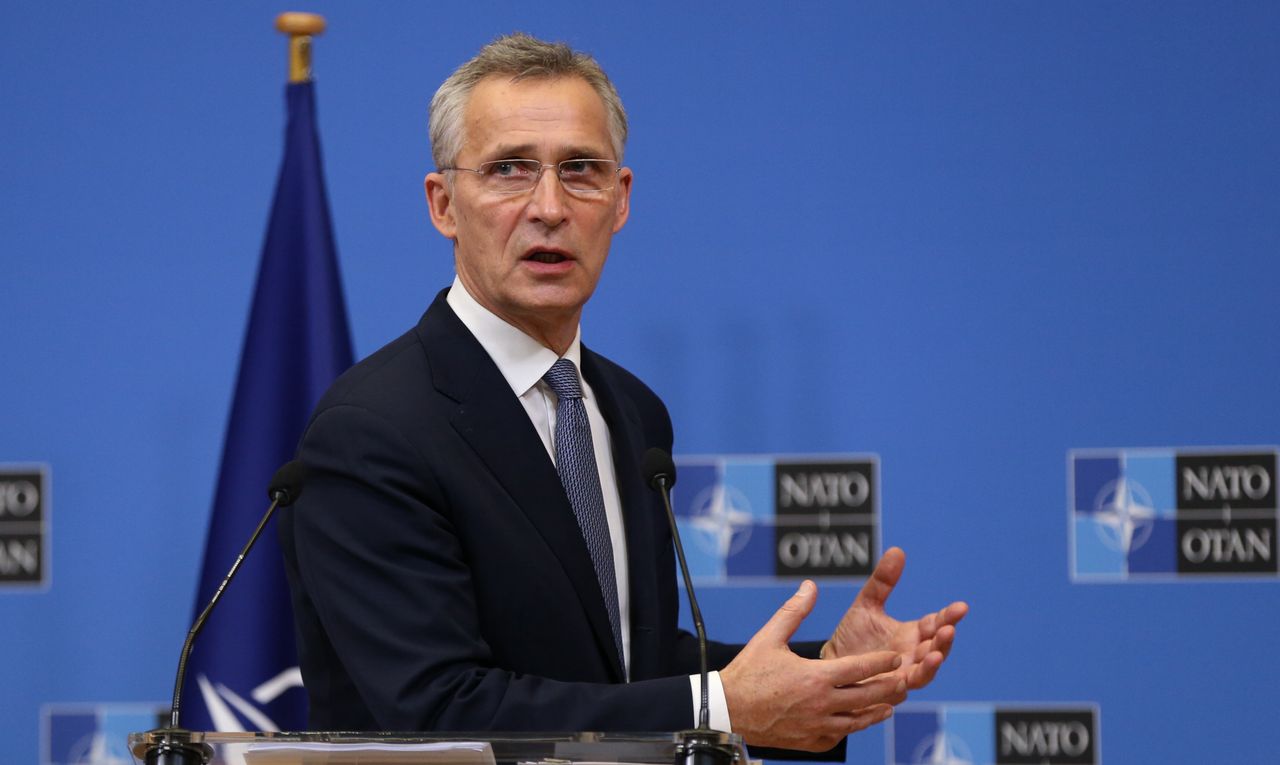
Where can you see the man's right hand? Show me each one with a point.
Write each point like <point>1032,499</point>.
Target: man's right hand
<point>779,699</point>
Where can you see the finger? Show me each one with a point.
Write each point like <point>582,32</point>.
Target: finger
<point>861,719</point>
<point>829,730</point>
<point>882,581</point>
<point>849,670</point>
<point>923,672</point>
<point>784,622</point>
<point>943,640</point>
<point>927,625</point>
<point>885,689</point>
<point>953,613</point>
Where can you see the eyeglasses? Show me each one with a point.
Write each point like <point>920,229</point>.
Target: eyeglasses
<point>516,176</point>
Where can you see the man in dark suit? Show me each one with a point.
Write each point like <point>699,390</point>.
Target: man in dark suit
<point>476,549</point>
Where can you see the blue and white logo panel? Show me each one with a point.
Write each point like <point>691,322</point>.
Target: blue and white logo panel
<point>993,734</point>
<point>1172,513</point>
<point>751,518</point>
<point>94,734</point>
<point>24,525</point>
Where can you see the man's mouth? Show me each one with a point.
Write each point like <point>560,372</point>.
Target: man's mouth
<point>546,256</point>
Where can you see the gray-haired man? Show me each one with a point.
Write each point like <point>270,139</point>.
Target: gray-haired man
<point>450,571</point>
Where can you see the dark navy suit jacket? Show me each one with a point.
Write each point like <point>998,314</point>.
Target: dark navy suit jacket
<point>439,578</point>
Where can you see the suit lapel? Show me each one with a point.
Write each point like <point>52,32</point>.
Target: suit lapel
<point>493,422</point>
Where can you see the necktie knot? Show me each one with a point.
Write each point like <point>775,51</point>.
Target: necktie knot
<point>563,379</point>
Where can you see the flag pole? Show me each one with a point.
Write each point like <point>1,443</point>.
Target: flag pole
<point>300,27</point>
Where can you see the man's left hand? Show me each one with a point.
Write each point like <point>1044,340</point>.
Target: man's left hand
<point>923,643</point>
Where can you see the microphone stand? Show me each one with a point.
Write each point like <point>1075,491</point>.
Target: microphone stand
<point>701,745</point>
<point>176,745</point>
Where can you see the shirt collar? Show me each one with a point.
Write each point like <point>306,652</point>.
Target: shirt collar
<point>521,359</point>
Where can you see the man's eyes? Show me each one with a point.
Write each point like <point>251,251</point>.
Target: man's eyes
<point>518,167</point>
<point>508,168</point>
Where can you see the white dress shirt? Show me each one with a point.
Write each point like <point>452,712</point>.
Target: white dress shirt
<point>523,361</point>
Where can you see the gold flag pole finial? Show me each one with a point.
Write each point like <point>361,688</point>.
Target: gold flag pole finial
<point>300,27</point>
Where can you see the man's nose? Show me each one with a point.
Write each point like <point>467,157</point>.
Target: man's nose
<point>548,202</point>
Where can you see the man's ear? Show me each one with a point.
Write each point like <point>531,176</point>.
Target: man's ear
<point>622,208</point>
<point>440,203</point>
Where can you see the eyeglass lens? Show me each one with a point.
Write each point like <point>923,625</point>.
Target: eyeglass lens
<point>509,176</point>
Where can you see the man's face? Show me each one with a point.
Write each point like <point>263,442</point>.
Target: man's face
<point>532,258</point>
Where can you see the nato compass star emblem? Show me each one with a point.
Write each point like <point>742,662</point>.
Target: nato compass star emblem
<point>942,749</point>
<point>97,750</point>
<point>721,520</point>
<point>1125,514</point>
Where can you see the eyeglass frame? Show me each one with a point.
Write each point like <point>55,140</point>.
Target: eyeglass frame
<point>542,167</point>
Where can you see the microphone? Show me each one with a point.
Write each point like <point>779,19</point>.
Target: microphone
<point>175,746</point>
<point>659,469</point>
<point>701,746</point>
<point>286,484</point>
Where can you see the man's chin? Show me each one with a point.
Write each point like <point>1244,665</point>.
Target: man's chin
<point>558,293</point>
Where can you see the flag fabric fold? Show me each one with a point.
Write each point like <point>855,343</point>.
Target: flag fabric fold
<point>243,674</point>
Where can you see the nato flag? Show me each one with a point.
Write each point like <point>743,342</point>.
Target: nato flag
<point>243,673</point>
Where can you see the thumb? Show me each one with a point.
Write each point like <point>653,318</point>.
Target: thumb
<point>784,622</point>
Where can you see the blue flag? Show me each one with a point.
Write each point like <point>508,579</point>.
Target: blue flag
<point>243,672</point>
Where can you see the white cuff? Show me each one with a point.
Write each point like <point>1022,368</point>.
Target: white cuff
<point>715,700</point>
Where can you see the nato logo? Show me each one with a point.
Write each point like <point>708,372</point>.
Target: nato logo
<point>989,734</point>
<point>24,524</point>
<point>745,518</point>
<point>94,734</point>
<point>1172,513</point>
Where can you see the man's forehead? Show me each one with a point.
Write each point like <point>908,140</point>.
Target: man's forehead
<point>562,112</point>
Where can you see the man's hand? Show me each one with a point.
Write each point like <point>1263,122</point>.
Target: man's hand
<point>923,644</point>
<point>778,699</point>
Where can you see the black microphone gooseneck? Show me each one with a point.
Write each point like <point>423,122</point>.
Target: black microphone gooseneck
<point>703,745</point>
<point>175,746</point>
<point>660,473</point>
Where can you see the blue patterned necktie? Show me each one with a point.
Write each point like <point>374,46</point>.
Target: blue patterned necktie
<point>576,464</point>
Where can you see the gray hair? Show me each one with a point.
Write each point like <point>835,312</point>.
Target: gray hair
<point>521,57</point>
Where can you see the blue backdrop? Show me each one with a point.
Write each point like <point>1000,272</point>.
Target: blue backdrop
<point>964,236</point>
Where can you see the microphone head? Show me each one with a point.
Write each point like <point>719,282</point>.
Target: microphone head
<point>286,484</point>
<point>658,468</point>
